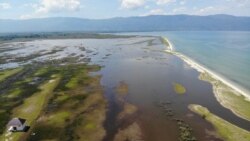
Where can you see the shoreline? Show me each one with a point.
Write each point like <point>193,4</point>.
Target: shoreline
<point>200,68</point>
<point>224,129</point>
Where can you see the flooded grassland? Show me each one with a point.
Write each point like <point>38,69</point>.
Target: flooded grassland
<point>111,89</point>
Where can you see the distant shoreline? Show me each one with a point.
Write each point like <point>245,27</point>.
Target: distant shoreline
<point>200,68</point>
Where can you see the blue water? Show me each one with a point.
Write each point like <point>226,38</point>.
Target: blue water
<point>225,52</point>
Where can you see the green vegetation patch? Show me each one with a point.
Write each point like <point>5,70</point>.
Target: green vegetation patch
<point>165,42</point>
<point>89,126</point>
<point>55,100</point>
<point>226,130</point>
<point>228,97</point>
<point>32,106</point>
<point>14,92</point>
<point>179,89</point>
<point>77,107</point>
<point>7,73</point>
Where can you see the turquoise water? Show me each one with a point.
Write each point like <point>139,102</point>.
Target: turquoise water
<point>226,53</point>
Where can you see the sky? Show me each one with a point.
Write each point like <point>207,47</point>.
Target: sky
<point>102,9</point>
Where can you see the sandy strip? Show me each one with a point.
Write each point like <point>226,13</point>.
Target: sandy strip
<point>170,47</point>
<point>203,69</point>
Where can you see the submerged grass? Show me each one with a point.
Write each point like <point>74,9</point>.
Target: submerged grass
<point>179,89</point>
<point>131,133</point>
<point>226,130</point>
<point>122,89</point>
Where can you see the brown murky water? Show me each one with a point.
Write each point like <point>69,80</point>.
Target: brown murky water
<point>150,75</point>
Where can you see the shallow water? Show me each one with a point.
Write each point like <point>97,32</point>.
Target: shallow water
<point>150,74</point>
<point>225,52</point>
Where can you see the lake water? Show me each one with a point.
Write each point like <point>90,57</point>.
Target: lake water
<point>227,53</point>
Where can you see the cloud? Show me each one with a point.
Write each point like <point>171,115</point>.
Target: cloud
<point>162,2</point>
<point>51,6</point>
<point>182,2</point>
<point>179,10</point>
<point>30,5</point>
<point>207,9</point>
<point>27,16</point>
<point>132,4</point>
<point>155,12</point>
<point>5,6</point>
<point>47,6</point>
<point>211,10</point>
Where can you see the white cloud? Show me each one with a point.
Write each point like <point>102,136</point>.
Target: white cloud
<point>206,9</point>
<point>30,5</point>
<point>51,6</point>
<point>132,4</point>
<point>47,6</point>
<point>161,2</point>
<point>179,10</point>
<point>155,12</point>
<point>27,16</point>
<point>211,10</point>
<point>5,6</point>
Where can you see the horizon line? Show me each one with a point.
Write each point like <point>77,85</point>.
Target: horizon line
<point>124,16</point>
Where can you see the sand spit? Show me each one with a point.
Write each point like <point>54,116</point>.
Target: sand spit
<point>200,68</point>
<point>223,89</point>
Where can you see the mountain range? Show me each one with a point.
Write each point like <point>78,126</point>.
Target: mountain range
<point>128,24</point>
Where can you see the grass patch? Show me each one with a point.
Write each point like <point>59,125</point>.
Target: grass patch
<point>57,98</point>
<point>228,97</point>
<point>89,126</point>
<point>14,93</point>
<point>7,73</point>
<point>77,108</point>
<point>59,118</point>
<point>165,42</point>
<point>226,130</point>
<point>179,89</point>
<point>33,106</point>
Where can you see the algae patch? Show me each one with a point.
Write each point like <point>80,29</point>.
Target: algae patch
<point>179,89</point>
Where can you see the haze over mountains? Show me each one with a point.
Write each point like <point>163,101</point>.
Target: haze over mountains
<point>147,23</point>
